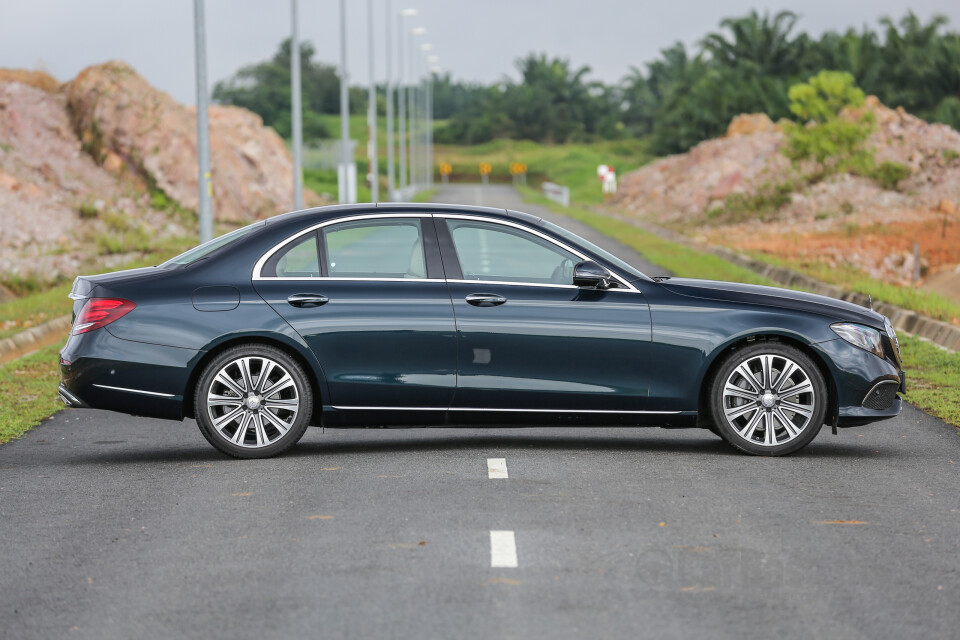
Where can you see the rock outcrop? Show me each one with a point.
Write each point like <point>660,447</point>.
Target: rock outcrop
<point>83,159</point>
<point>845,220</point>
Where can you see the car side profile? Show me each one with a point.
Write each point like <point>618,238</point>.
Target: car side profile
<point>444,315</point>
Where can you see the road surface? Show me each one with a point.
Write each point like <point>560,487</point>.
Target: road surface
<point>121,527</point>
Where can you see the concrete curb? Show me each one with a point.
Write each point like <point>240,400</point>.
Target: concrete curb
<point>940,333</point>
<point>29,340</point>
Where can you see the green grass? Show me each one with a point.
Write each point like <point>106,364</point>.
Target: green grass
<point>676,258</point>
<point>933,375</point>
<point>933,378</point>
<point>28,387</point>
<point>927,303</point>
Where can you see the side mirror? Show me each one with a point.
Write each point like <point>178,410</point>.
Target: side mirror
<point>590,274</point>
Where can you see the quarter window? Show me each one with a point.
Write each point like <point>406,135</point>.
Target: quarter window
<point>391,248</point>
<point>298,259</point>
<point>496,252</point>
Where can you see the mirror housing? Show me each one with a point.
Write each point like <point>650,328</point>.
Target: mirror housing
<point>590,274</point>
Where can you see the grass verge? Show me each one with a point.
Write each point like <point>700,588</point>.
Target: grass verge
<point>933,375</point>
<point>28,388</point>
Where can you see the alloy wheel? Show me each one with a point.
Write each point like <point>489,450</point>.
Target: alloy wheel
<point>768,400</point>
<point>252,401</point>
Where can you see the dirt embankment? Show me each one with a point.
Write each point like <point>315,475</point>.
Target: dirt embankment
<point>105,165</point>
<point>843,221</point>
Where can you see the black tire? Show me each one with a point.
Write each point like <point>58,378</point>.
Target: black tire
<point>274,440</point>
<point>817,400</point>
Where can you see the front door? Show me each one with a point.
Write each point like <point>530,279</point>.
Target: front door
<point>368,296</point>
<point>529,339</point>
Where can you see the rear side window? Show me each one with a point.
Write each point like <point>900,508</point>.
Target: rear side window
<point>298,259</point>
<point>390,248</point>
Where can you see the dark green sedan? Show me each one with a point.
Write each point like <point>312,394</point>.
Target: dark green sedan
<point>442,315</point>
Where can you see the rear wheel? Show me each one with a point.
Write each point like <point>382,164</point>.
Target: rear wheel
<point>253,401</point>
<point>768,399</point>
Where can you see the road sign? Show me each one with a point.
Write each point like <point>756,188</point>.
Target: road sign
<point>485,168</point>
<point>517,168</point>
<point>608,179</point>
<point>445,169</point>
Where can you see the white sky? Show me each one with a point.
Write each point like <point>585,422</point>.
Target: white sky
<point>475,39</point>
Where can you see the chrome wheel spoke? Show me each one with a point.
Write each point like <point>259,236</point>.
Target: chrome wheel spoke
<point>735,412</point>
<point>244,364</point>
<point>281,426</point>
<point>268,368</point>
<point>739,392</point>
<point>747,432</point>
<point>228,382</point>
<point>240,434</point>
<point>259,430</point>
<point>803,387</point>
<point>747,375</point>
<point>770,433</point>
<point>284,383</point>
<point>281,404</point>
<point>227,418</point>
<point>804,410</point>
<point>788,425</point>
<point>225,401</point>
<point>788,370</point>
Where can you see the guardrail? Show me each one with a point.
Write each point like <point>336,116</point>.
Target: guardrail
<point>557,193</point>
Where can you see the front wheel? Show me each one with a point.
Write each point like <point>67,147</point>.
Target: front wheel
<point>768,399</point>
<point>253,401</point>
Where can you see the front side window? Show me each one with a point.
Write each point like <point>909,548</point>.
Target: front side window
<point>500,253</point>
<point>386,248</point>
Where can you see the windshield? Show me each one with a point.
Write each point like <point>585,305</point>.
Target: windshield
<point>205,249</point>
<point>603,254</point>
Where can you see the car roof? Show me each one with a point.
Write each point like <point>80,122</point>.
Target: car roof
<point>319,214</point>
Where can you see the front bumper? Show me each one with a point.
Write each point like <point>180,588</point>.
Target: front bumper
<point>857,373</point>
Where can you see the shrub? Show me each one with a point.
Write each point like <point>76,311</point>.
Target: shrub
<point>889,174</point>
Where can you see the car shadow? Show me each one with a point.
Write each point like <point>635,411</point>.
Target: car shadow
<point>686,445</point>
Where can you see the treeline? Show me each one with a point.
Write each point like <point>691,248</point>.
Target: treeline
<point>675,101</point>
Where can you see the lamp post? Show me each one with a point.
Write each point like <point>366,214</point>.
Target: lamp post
<point>296,107</point>
<point>401,99</point>
<point>346,176</point>
<point>412,107</point>
<point>388,49</point>
<point>426,48</point>
<point>204,185</point>
<point>372,153</point>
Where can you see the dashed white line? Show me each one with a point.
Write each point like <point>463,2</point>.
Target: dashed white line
<point>497,468</point>
<point>503,549</point>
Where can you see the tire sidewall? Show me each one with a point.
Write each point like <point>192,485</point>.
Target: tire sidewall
<point>741,355</point>
<point>304,392</point>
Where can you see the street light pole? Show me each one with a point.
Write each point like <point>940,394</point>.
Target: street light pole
<point>344,195</point>
<point>390,154</point>
<point>297,107</point>
<point>204,185</point>
<point>372,152</point>
<point>412,106</point>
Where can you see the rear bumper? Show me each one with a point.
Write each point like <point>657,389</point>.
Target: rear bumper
<point>100,371</point>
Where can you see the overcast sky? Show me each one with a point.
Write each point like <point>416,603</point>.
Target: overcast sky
<point>475,39</point>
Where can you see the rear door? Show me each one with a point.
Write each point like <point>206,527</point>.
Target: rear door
<point>367,294</point>
<point>529,340</point>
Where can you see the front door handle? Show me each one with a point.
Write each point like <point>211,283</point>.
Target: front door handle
<point>307,300</point>
<point>485,299</point>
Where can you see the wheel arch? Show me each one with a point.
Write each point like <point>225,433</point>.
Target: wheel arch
<point>310,367</point>
<point>721,353</point>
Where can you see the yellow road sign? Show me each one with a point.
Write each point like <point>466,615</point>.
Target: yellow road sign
<point>446,168</point>
<point>516,168</point>
<point>485,168</point>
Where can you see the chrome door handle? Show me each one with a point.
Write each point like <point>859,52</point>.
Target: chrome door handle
<point>306,300</point>
<point>485,299</point>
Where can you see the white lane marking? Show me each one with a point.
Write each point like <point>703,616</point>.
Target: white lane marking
<point>497,468</point>
<point>503,549</point>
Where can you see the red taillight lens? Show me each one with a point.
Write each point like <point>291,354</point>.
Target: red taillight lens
<point>99,312</point>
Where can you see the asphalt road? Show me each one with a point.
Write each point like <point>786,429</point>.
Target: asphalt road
<point>118,527</point>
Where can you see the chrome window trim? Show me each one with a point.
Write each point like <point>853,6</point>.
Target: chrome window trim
<point>258,267</point>
<point>341,408</point>
<point>148,393</point>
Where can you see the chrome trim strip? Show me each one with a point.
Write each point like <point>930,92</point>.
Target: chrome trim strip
<point>501,410</point>
<point>339,279</point>
<point>874,388</point>
<point>522,284</point>
<point>148,393</point>
<point>366,216</point>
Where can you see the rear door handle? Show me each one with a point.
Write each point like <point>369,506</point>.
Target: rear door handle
<point>307,300</point>
<point>485,299</point>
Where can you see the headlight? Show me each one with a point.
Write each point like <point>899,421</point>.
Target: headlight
<point>858,335</point>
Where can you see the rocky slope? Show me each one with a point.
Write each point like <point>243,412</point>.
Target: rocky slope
<point>845,220</point>
<point>83,166</point>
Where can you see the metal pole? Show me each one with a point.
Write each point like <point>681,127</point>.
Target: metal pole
<point>411,90</point>
<point>204,184</point>
<point>430,130</point>
<point>373,154</point>
<point>297,107</point>
<point>344,105</point>
<point>390,153</point>
<point>402,115</point>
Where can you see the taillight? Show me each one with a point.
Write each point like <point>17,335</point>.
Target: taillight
<point>99,312</point>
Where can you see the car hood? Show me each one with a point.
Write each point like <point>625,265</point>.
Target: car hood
<point>774,297</point>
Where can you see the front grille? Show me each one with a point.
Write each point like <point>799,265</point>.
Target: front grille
<point>881,396</point>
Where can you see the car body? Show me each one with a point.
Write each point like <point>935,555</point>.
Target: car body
<point>446,315</point>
